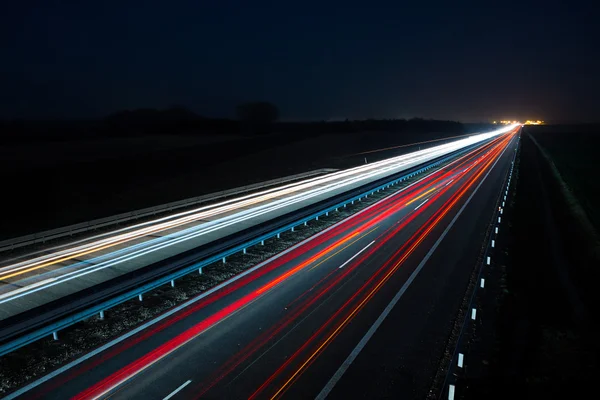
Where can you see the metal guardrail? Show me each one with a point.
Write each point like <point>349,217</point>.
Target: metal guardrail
<point>41,237</point>
<point>35,324</point>
<point>77,307</point>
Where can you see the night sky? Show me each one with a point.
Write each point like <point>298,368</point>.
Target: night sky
<point>468,61</point>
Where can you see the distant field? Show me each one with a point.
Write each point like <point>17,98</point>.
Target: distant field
<point>574,149</point>
<point>53,184</point>
<point>21,156</point>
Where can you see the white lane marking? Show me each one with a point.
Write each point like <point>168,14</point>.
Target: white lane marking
<point>175,310</point>
<point>174,392</point>
<point>363,342</point>
<point>135,331</point>
<point>449,182</point>
<point>451,392</point>
<point>417,207</point>
<point>354,256</point>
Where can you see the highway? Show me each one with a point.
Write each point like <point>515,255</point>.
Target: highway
<point>360,310</point>
<point>41,277</point>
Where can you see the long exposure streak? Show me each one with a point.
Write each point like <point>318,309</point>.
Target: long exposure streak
<point>340,237</point>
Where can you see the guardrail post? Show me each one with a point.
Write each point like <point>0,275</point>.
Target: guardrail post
<point>140,297</point>
<point>172,283</point>
<point>102,314</point>
<point>292,230</point>
<point>199,271</point>
<point>327,213</point>
<point>279,235</point>
<point>55,335</point>
<point>305,223</point>
<point>244,250</point>
<point>317,218</point>
<point>224,261</point>
<point>262,242</point>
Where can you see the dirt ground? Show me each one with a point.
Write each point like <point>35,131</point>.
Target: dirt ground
<point>538,336</point>
<point>49,185</point>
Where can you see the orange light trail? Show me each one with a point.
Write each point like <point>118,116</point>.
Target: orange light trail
<point>373,215</point>
<point>316,295</point>
<point>424,232</point>
<point>298,268</point>
<point>125,373</point>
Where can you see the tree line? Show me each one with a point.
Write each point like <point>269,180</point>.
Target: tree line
<point>253,118</point>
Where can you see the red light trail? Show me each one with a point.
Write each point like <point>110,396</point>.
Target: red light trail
<point>351,230</point>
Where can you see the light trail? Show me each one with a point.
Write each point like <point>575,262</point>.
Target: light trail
<point>154,245</point>
<point>349,229</point>
<point>130,256</point>
<point>107,385</point>
<point>403,254</point>
<point>78,252</point>
<point>410,144</point>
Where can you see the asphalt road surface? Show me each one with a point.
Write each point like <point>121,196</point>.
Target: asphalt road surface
<point>361,310</point>
<point>34,280</point>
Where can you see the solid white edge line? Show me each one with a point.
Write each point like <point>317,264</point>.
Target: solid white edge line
<point>354,256</point>
<point>174,392</point>
<point>140,328</point>
<point>127,335</point>
<point>346,364</point>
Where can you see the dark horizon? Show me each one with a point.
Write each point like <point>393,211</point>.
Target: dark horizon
<point>447,61</point>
